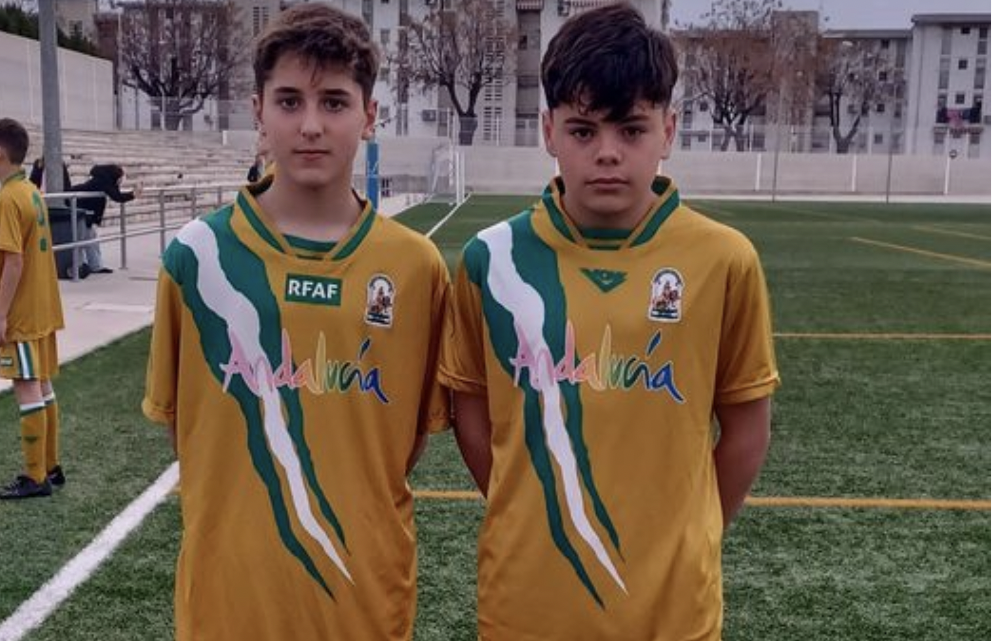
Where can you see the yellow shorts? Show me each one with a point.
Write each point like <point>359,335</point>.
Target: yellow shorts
<point>29,360</point>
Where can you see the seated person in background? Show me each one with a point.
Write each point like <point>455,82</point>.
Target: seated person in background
<point>38,174</point>
<point>106,179</point>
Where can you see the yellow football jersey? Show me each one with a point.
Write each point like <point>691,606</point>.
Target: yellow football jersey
<point>298,375</point>
<point>602,355</point>
<point>36,309</point>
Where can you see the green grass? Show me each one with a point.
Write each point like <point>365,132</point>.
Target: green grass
<point>854,418</point>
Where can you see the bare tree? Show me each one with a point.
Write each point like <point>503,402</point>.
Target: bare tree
<point>730,62</point>
<point>850,70</point>
<point>180,53</point>
<point>460,50</point>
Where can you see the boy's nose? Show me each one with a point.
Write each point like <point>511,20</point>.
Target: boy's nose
<point>608,151</point>
<point>311,125</point>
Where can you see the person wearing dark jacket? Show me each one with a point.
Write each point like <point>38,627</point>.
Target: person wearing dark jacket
<point>106,179</point>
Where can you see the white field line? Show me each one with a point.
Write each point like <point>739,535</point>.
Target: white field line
<point>447,216</point>
<point>48,597</point>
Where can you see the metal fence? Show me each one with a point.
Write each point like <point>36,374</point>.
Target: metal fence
<point>159,211</point>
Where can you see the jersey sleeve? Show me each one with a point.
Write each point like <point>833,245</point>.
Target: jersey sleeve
<point>746,368</point>
<point>463,357</point>
<point>11,233</point>
<point>435,413</point>
<point>161,381</point>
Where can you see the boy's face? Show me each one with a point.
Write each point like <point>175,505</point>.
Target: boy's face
<point>311,122</point>
<point>608,166</point>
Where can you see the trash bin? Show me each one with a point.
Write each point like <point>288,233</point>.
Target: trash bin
<point>60,220</point>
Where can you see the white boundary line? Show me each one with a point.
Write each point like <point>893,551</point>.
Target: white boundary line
<point>447,216</point>
<point>48,597</point>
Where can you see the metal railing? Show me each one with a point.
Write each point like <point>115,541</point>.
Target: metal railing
<point>168,207</point>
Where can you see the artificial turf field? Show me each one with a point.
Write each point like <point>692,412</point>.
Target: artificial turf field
<point>870,520</point>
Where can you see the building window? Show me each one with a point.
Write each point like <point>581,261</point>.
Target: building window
<point>884,44</point>
<point>983,33</point>
<point>975,138</point>
<point>983,47</point>
<point>939,137</point>
<point>880,108</point>
<point>259,18</point>
<point>384,37</point>
<point>945,42</point>
<point>963,63</point>
<point>883,76</point>
<point>965,31</point>
<point>945,73</point>
<point>959,98</point>
<point>878,139</point>
<point>980,74</point>
<point>900,54</point>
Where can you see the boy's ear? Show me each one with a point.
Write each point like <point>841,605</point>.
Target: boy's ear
<point>256,108</point>
<point>669,128</point>
<point>547,127</point>
<point>371,111</point>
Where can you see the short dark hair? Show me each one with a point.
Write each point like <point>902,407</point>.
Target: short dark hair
<point>608,59</point>
<point>14,140</point>
<point>322,35</point>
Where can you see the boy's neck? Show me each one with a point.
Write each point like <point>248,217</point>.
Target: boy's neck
<point>7,170</point>
<point>316,214</point>
<point>583,218</point>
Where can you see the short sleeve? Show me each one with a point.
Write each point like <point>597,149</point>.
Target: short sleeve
<point>463,359</point>
<point>11,238</point>
<point>161,381</point>
<point>747,369</point>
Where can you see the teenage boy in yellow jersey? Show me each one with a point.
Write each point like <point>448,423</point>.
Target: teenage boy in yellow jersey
<point>294,360</point>
<point>30,314</point>
<point>593,338</point>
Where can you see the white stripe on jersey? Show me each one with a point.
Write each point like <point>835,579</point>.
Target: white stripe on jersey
<point>525,305</point>
<point>243,322</point>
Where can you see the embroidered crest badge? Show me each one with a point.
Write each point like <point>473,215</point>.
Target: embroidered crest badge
<point>667,289</point>
<point>379,301</point>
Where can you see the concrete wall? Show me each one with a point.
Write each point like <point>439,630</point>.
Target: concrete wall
<point>86,85</point>
<point>527,170</point>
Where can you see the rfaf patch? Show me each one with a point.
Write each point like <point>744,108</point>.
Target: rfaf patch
<point>667,288</point>
<point>313,290</point>
<point>379,301</point>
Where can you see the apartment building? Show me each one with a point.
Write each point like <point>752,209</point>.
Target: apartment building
<point>930,95</point>
<point>949,85</point>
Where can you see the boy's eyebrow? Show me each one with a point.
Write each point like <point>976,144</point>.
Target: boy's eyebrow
<point>324,92</point>
<point>580,120</point>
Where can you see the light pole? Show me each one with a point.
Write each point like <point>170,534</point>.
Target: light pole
<point>119,10</point>
<point>896,91</point>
